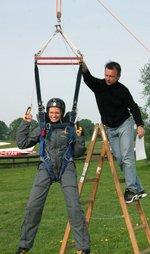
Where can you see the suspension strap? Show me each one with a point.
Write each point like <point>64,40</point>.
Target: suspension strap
<point>58,10</point>
<point>37,82</point>
<point>77,88</point>
<point>68,156</point>
<point>41,112</point>
<point>76,95</point>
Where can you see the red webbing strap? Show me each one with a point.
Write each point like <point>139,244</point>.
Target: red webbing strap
<point>58,9</point>
<point>43,60</point>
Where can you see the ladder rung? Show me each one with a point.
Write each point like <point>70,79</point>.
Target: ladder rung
<point>133,203</point>
<point>89,180</point>
<point>87,202</point>
<point>145,251</point>
<point>139,227</point>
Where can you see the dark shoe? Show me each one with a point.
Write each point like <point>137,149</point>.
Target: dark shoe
<point>130,196</point>
<point>86,251</point>
<point>142,194</point>
<point>22,250</point>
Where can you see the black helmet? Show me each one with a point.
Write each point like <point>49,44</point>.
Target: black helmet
<point>56,102</point>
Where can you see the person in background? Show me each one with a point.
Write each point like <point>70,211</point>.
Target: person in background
<point>50,170</point>
<point>118,112</point>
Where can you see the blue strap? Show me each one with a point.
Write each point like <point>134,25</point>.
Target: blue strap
<point>41,119</point>
<point>49,169</point>
<point>68,156</point>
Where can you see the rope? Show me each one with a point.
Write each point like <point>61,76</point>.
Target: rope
<point>45,45</point>
<point>32,94</point>
<point>105,217</point>
<point>66,46</point>
<point>139,41</point>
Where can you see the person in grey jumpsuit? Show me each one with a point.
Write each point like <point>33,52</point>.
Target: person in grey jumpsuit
<point>55,147</point>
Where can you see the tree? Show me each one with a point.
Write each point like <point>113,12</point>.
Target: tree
<point>147,131</point>
<point>145,81</point>
<point>3,131</point>
<point>14,126</point>
<point>144,114</point>
<point>88,127</point>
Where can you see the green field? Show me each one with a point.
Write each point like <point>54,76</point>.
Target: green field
<point>107,227</point>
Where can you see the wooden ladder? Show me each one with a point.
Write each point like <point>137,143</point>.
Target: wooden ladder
<point>105,152</point>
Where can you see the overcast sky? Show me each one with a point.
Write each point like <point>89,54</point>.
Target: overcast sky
<point>25,26</point>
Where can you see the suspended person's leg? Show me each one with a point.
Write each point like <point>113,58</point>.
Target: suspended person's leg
<point>33,211</point>
<point>75,212</point>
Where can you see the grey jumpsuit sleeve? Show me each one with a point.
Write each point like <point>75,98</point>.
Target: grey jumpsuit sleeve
<point>26,138</point>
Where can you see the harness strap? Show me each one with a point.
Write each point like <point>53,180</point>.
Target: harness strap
<point>41,112</point>
<point>37,82</point>
<point>68,156</point>
<point>49,168</point>
<point>77,88</point>
<point>42,124</point>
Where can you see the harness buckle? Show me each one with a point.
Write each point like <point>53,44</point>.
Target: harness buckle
<point>68,159</point>
<point>48,126</point>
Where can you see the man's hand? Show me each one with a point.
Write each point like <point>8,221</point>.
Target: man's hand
<point>84,66</point>
<point>140,131</point>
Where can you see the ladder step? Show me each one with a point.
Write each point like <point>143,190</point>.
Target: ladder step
<point>133,203</point>
<point>145,251</point>
<point>90,180</point>
<point>139,227</point>
<point>84,202</point>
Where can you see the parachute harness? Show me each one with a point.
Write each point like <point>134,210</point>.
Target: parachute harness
<point>44,60</point>
<point>47,126</point>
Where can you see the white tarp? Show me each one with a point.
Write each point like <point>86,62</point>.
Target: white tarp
<point>140,148</point>
<point>4,143</point>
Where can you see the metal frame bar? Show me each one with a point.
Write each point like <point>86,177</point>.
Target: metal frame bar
<point>57,60</point>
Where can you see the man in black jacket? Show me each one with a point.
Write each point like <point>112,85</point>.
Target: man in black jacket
<point>118,109</point>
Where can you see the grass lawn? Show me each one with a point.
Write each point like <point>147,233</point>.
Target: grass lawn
<point>107,227</point>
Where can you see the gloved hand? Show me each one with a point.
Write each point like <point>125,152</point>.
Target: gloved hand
<point>28,117</point>
<point>79,130</point>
